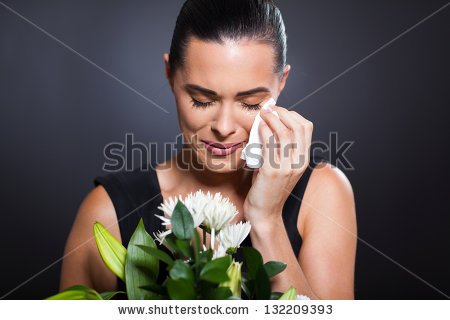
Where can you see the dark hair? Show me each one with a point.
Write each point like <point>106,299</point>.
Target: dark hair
<point>219,20</point>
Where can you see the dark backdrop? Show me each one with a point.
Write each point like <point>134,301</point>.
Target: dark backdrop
<point>58,111</point>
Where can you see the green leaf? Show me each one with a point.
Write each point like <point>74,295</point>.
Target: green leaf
<point>233,298</point>
<point>169,243</point>
<point>254,261</point>
<point>182,222</point>
<point>184,247</point>
<point>113,253</point>
<point>180,289</point>
<point>108,295</point>
<point>206,256</point>
<point>181,270</point>
<point>141,268</point>
<point>220,294</point>
<point>77,292</point>
<point>290,294</point>
<point>215,276</point>
<point>262,284</point>
<point>274,267</point>
<point>196,253</point>
<point>245,287</point>
<point>155,288</point>
<point>158,254</point>
<point>80,292</point>
<point>235,275</point>
<point>204,288</point>
<point>215,271</point>
<point>275,295</point>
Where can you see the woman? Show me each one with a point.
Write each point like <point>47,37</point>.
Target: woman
<point>227,58</point>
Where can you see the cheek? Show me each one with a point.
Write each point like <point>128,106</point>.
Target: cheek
<point>248,119</point>
<point>191,119</point>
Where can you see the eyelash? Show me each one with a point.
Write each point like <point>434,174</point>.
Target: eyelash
<point>204,105</point>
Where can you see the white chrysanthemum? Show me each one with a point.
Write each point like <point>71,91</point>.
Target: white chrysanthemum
<point>167,207</point>
<point>218,212</point>
<point>196,203</point>
<point>219,253</point>
<point>214,212</point>
<point>193,202</point>
<point>160,235</point>
<point>232,235</point>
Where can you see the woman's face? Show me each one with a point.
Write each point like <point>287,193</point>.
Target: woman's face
<point>218,93</point>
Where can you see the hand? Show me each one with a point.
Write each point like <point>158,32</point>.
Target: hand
<point>285,159</point>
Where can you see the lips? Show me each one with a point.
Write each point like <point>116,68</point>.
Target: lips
<point>221,149</point>
<point>221,145</point>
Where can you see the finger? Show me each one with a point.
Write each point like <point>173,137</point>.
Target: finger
<point>302,129</point>
<point>304,156</point>
<point>291,122</point>
<point>292,118</point>
<point>269,153</point>
<point>282,133</point>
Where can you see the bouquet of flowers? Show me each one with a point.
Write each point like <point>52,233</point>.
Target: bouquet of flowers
<point>194,268</point>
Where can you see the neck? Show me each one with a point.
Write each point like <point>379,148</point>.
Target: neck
<point>236,181</point>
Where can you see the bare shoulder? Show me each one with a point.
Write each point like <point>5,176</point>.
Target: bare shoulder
<point>328,189</point>
<point>97,206</point>
<point>329,233</point>
<point>82,263</point>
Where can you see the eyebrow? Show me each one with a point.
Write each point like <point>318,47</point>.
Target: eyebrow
<point>208,92</point>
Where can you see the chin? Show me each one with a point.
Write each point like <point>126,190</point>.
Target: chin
<point>221,164</point>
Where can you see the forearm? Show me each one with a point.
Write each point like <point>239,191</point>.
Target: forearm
<point>272,241</point>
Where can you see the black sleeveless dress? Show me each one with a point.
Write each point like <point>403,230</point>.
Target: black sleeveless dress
<point>136,194</point>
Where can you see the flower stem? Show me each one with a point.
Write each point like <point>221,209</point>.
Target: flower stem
<point>204,237</point>
<point>196,253</point>
<point>213,236</point>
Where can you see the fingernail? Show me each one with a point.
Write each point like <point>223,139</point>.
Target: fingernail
<point>269,109</point>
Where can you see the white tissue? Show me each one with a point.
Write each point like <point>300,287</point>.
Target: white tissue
<point>254,144</point>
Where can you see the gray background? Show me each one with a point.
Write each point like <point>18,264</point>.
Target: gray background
<point>57,112</point>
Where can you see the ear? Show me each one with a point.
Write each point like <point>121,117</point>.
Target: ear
<point>286,71</point>
<point>167,68</point>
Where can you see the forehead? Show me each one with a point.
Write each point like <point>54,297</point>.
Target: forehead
<point>231,65</point>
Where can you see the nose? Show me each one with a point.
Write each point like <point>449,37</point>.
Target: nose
<point>225,122</point>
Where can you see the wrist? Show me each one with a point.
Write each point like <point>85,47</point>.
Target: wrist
<point>266,226</point>
<point>265,235</point>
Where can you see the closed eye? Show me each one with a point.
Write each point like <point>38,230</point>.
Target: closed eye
<point>251,106</point>
<point>203,105</point>
<point>199,104</point>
